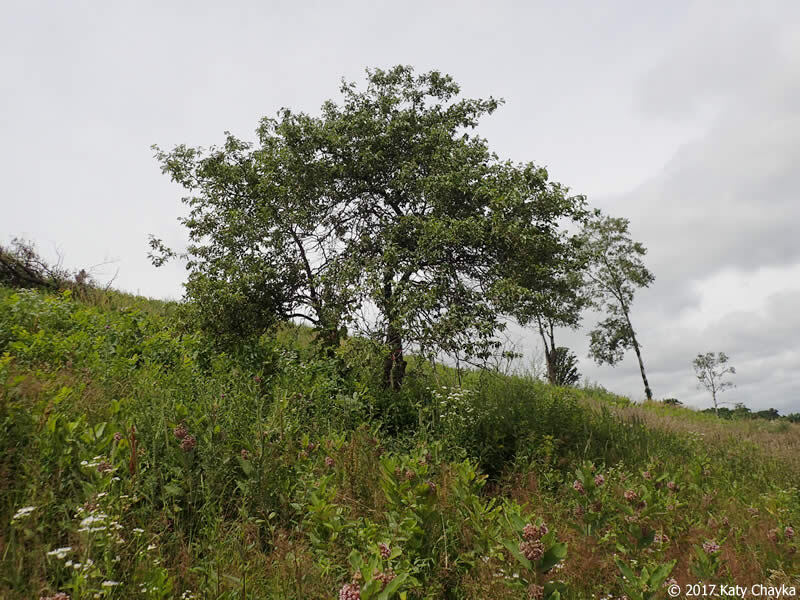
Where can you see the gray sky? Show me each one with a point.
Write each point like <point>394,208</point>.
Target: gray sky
<point>683,117</point>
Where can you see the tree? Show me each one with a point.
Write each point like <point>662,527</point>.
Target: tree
<point>384,214</point>
<point>565,367</point>
<point>614,271</point>
<point>552,297</point>
<point>710,370</point>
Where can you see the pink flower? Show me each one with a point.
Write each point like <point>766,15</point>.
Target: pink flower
<point>630,495</point>
<point>384,578</point>
<point>599,480</point>
<point>788,532</point>
<point>647,475</point>
<point>385,550</point>
<point>531,532</point>
<point>245,454</point>
<point>578,486</point>
<point>533,550</point>
<point>180,432</point>
<point>188,443</point>
<point>672,486</point>
<point>350,591</point>
<point>710,547</point>
<point>117,436</point>
<point>661,538</point>
<point>328,461</point>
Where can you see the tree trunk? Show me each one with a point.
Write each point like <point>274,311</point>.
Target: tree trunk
<point>549,353</point>
<point>394,365</point>
<point>647,391</point>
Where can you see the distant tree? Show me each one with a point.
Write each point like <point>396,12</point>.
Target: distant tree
<point>385,214</point>
<point>793,417</point>
<point>710,370</point>
<point>740,411</point>
<point>614,271</point>
<point>565,367</point>
<point>769,414</point>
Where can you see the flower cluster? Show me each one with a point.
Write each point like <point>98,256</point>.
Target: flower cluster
<point>22,513</point>
<point>578,486</point>
<point>710,547</point>
<point>630,496</point>
<point>533,550</point>
<point>599,480</point>
<point>350,591</point>
<point>386,552</point>
<point>56,596</point>
<point>188,443</point>
<point>384,577</point>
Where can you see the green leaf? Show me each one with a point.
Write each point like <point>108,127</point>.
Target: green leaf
<point>553,556</point>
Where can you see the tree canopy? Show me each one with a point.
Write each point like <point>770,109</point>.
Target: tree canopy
<point>385,214</point>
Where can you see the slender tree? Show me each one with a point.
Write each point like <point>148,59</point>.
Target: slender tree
<point>711,370</point>
<point>615,269</point>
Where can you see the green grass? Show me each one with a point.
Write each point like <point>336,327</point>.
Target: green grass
<point>174,470</point>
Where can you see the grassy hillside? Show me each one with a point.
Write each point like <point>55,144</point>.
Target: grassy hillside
<point>137,462</point>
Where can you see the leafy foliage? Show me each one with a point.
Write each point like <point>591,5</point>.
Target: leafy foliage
<point>384,214</point>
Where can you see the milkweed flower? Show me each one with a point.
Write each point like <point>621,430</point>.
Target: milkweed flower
<point>350,591</point>
<point>599,480</point>
<point>578,486</point>
<point>710,547</point>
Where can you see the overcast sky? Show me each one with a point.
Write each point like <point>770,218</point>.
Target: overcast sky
<point>683,117</point>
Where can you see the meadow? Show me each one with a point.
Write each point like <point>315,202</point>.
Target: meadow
<point>138,461</point>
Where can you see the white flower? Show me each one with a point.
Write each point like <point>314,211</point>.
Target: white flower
<point>23,512</point>
<point>60,553</point>
<point>151,547</point>
<point>137,530</point>
<point>109,583</point>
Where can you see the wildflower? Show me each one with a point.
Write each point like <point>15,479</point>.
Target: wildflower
<point>531,532</point>
<point>578,486</point>
<point>56,596</point>
<point>350,591</point>
<point>725,521</point>
<point>109,583</point>
<point>788,532</point>
<point>180,431</point>
<point>328,461</point>
<point>431,486</point>
<point>311,446</point>
<point>661,538</point>
<point>630,495</point>
<point>151,546</point>
<point>672,486</point>
<point>22,513</point>
<point>535,592</point>
<point>104,466</point>
<point>188,443</point>
<point>117,436</point>
<point>245,454</point>
<point>532,550</point>
<point>385,550</point>
<point>60,553</point>
<point>384,578</point>
<point>670,581</point>
<point>599,480</point>
<point>647,475</point>
<point>710,547</point>
<point>256,378</point>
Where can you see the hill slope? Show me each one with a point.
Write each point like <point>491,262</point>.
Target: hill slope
<point>138,462</point>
